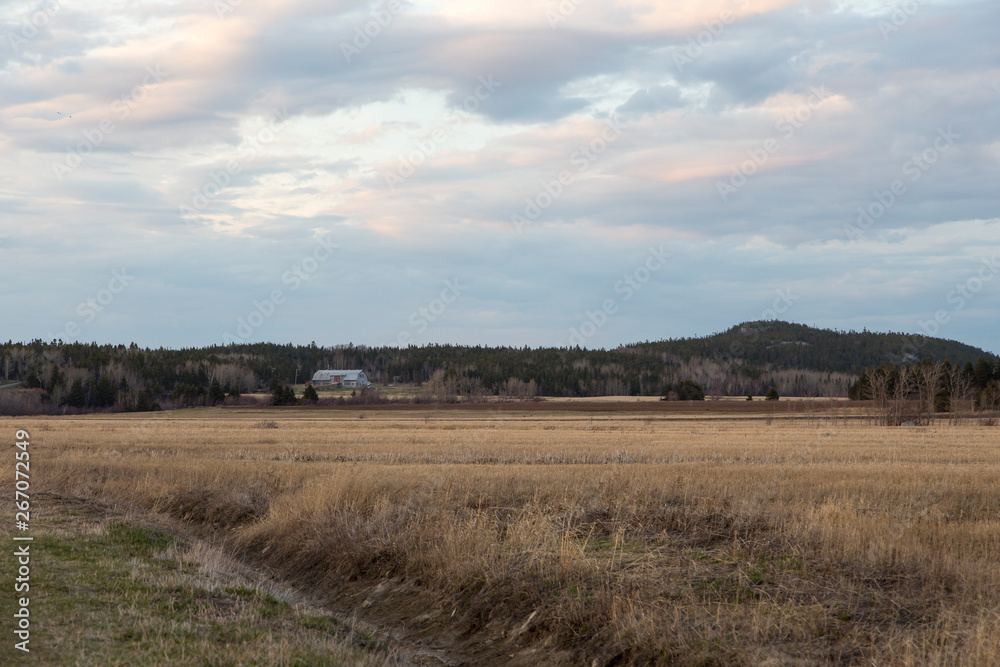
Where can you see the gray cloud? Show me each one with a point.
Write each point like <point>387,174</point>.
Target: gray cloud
<point>684,130</point>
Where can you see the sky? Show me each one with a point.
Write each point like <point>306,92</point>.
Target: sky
<point>543,173</point>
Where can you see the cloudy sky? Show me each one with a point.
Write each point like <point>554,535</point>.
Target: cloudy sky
<point>193,172</point>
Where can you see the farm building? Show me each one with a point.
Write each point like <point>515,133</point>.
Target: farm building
<point>356,379</point>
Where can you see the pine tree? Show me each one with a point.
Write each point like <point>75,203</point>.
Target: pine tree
<point>772,394</point>
<point>309,394</point>
<point>105,393</point>
<point>55,378</point>
<point>77,398</point>
<point>215,393</point>
<point>982,374</point>
<point>277,396</point>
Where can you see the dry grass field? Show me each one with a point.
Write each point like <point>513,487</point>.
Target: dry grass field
<point>559,537</point>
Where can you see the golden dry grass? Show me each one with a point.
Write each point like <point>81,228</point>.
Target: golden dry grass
<point>532,537</point>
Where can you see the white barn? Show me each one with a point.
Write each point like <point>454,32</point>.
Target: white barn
<point>355,379</point>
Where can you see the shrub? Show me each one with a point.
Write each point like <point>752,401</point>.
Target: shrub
<point>687,390</point>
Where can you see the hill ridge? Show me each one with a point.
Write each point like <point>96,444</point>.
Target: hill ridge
<point>770,343</point>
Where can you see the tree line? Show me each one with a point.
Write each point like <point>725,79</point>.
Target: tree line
<point>918,392</point>
<point>748,359</point>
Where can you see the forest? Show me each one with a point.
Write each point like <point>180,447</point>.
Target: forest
<point>749,358</point>
<point>917,392</point>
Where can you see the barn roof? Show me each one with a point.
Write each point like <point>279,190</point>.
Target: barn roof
<point>327,374</point>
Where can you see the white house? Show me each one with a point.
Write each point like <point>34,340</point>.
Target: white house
<point>355,379</point>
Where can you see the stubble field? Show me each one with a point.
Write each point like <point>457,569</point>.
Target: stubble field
<point>560,537</point>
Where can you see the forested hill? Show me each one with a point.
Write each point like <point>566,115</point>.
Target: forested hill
<point>747,359</point>
<point>783,346</point>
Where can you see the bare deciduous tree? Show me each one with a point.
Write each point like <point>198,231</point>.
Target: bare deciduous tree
<point>959,388</point>
<point>926,378</point>
<point>519,389</point>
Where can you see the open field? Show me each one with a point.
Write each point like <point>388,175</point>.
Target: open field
<point>544,536</point>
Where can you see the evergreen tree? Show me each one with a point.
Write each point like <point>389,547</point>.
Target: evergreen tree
<point>215,393</point>
<point>288,396</point>
<point>56,378</point>
<point>982,374</point>
<point>278,396</point>
<point>772,394</point>
<point>942,401</point>
<point>688,390</point>
<point>77,398</point>
<point>309,394</point>
<point>145,401</point>
<point>861,389</point>
<point>104,396</point>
